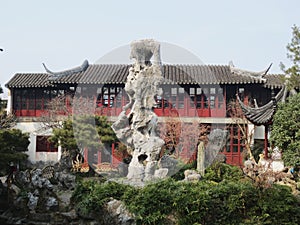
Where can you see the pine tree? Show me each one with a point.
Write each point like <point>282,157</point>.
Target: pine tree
<point>13,145</point>
<point>13,142</point>
<point>293,73</point>
<point>286,123</point>
<point>286,130</point>
<point>84,131</point>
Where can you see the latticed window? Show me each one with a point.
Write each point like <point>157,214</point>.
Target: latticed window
<point>109,97</point>
<point>206,97</point>
<point>31,99</point>
<point>17,99</point>
<point>43,145</point>
<point>235,142</point>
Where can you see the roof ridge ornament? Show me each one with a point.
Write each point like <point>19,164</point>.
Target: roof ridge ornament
<point>55,75</point>
<point>256,75</point>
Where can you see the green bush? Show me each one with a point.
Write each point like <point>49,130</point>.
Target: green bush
<point>204,202</point>
<point>220,171</point>
<point>91,195</point>
<point>14,143</point>
<point>285,130</point>
<point>280,206</point>
<point>153,203</point>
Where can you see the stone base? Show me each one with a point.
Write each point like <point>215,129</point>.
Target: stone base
<point>161,173</point>
<point>136,173</point>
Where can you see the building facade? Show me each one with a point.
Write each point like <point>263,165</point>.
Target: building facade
<point>199,93</point>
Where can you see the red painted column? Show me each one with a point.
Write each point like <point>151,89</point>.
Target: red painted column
<point>99,157</point>
<point>266,141</point>
<point>224,101</point>
<point>186,102</point>
<point>114,160</point>
<point>85,155</point>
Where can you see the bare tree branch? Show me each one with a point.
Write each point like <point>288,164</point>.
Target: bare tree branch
<point>179,136</point>
<point>236,114</point>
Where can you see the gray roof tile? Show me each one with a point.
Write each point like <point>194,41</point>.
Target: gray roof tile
<point>117,73</point>
<point>21,80</point>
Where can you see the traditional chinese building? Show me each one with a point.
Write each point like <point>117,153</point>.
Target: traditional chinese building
<point>189,91</point>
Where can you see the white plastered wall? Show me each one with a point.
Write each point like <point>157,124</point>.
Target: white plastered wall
<point>35,129</point>
<point>259,132</point>
<point>9,103</point>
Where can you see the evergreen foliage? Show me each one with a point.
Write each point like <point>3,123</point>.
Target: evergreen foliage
<point>286,130</point>
<point>6,120</point>
<point>64,136</point>
<point>294,55</point>
<point>13,144</point>
<point>286,123</point>
<point>91,195</point>
<point>227,201</point>
<point>218,172</point>
<point>84,131</point>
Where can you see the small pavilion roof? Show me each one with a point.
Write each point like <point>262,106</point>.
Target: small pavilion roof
<point>264,114</point>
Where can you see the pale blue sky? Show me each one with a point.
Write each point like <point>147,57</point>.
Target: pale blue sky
<point>64,33</point>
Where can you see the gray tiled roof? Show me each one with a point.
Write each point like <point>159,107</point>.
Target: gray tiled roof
<point>274,80</point>
<point>264,114</point>
<point>117,73</point>
<point>20,80</point>
<point>98,74</point>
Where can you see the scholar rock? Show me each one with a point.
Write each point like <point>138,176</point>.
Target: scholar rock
<point>118,213</point>
<point>216,141</point>
<point>51,203</point>
<point>161,173</point>
<point>67,180</point>
<point>191,175</point>
<point>169,163</point>
<point>32,201</point>
<point>137,129</point>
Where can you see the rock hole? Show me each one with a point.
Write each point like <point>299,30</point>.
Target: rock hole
<point>142,158</point>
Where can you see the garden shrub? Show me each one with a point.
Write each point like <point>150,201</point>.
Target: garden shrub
<point>153,203</point>
<point>220,171</point>
<point>90,196</point>
<point>279,205</point>
<point>204,202</point>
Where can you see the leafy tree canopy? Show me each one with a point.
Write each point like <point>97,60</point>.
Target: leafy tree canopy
<point>64,136</point>
<point>6,120</point>
<point>293,54</point>
<point>13,144</point>
<point>13,140</point>
<point>286,130</point>
<point>84,131</point>
<point>286,123</point>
